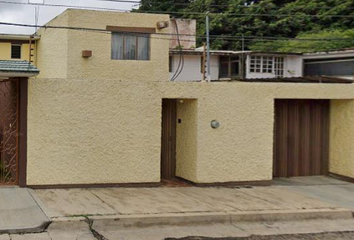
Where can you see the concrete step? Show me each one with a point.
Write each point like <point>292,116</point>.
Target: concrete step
<point>114,222</point>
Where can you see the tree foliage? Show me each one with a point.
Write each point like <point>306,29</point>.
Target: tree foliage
<point>275,18</point>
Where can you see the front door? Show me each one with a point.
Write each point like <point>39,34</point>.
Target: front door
<point>168,139</point>
<point>9,134</point>
<point>301,144</point>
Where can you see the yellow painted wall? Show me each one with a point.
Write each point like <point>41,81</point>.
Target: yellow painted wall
<point>53,49</point>
<point>94,131</point>
<point>60,51</point>
<point>186,139</point>
<point>98,120</point>
<point>5,51</point>
<point>342,138</point>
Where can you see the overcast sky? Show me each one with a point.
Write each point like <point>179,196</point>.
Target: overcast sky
<point>15,13</point>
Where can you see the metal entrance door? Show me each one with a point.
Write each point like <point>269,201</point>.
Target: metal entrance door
<point>9,102</point>
<point>168,139</point>
<point>301,144</point>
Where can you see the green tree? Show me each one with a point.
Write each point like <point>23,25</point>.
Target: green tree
<point>303,44</point>
<point>249,18</point>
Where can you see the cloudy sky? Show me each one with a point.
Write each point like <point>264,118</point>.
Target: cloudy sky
<point>17,13</point>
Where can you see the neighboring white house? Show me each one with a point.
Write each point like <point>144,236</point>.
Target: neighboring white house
<point>273,65</point>
<point>234,65</point>
<point>224,65</point>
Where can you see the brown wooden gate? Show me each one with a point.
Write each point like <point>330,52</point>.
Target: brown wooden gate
<point>301,144</point>
<point>168,139</point>
<point>9,125</point>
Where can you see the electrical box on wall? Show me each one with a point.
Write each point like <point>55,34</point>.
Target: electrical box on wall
<point>86,53</point>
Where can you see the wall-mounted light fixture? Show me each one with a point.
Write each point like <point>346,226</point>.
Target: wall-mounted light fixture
<point>215,124</point>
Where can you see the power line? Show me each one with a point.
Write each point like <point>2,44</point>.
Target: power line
<point>183,12</point>
<point>64,5</point>
<point>265,48</point>
<point>209,5</point>
<point>254,14</point>
<point>225,38</point>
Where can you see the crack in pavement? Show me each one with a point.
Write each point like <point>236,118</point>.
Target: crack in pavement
<point>96,234</point>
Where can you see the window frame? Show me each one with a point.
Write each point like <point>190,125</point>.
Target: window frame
<point>136,53</point>
<point>229,62</point>
<point>16,45</point>
<point>279,66</point>
<point>267,64</point>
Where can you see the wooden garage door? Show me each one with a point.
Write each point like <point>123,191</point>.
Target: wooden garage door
<point>301,144</point>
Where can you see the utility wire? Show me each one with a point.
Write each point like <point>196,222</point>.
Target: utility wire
<point>210,5</point>
<point>183,12</point>
<point>225,38</point>
<point>65,5</point>
<point>166,38</point>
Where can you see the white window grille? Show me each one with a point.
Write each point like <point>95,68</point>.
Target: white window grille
<point>261,64</point>
<point>256,64</point>
<point>279,66</point>
<point>267,64</point>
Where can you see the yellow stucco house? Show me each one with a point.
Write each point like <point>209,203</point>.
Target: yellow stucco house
<point>102,112</point>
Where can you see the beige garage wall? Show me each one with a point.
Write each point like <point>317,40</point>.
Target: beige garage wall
<point>342,138</point>
<point>94,131</point>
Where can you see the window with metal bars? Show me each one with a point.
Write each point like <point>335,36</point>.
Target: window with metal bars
<point>16,51</point>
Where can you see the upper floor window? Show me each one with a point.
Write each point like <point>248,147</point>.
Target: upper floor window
<point>130,46</point>
<point>16,51</point>
<point>267,64</point>
<point>256,64</point>
<point>279,66</point>
<point>229,67</point>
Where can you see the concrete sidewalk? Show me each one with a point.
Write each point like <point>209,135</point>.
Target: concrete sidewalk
<point>326,189</point>
<point>158,213</point>
<point>146,207</point>
<point>19,213</point>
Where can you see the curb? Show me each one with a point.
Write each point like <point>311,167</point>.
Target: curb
<point>35,229</point>
<point>114,222</point>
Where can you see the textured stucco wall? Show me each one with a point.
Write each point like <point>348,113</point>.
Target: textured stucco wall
<point>60,50</point>
<point>107,131</point>
<point>186,139</point>
<point>98,120</point>
<point>342,138</point>
<point>52,49</point>
<point>92,132</point>
<point>100,65</point>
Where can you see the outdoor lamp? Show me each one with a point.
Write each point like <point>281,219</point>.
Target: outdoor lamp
<point>215,124</point>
